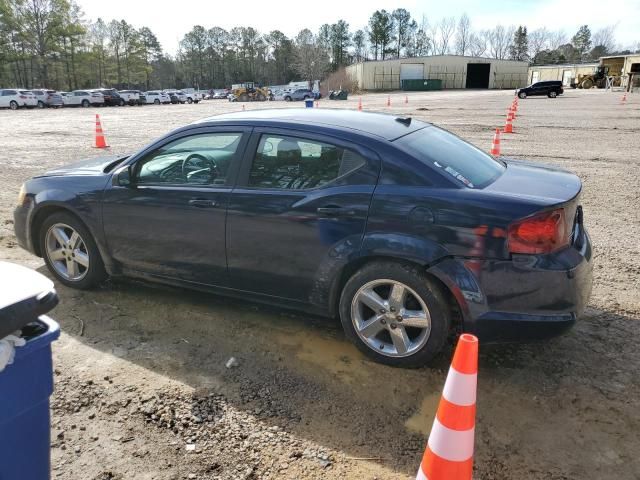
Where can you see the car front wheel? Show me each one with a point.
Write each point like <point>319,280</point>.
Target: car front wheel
<point>70,252</point>
<point>522,95</point>
<point>189,100</point>
<point>13,105</point>
<point>553,94</point>
<point>395,314</point>
<point>85,103</point>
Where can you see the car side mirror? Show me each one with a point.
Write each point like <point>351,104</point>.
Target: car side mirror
<point>123,177</point>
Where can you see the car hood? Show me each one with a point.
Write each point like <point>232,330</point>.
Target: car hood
<point>540,184</point>
<point>92,166</point>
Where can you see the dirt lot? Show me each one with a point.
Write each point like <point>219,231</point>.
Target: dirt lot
<point>142,391</point>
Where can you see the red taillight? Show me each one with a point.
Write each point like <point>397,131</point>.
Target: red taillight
<point>544,232</point>
<point>23,97</point>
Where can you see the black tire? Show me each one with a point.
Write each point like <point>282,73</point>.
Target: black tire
<point>96,272</point>
<point>552,95</point>
<point>121,103</point>
<point>429,292</point>
<point>41,104</point>
<point>522,95</point>
<point>85,103</point>
<point>287,99</point>
<point>13,105</point>
<point>189,100</point>
<point>156,101</point>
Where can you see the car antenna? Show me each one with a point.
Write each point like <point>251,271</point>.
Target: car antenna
<point>406,121</point>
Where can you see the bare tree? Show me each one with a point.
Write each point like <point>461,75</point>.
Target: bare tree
<point>538,41</point>
<point>556,39</point>
<point>604,38</point>
<point>478,43</point>
<point>499,41</point>
<point>447,28</point>
<point>463,35</point>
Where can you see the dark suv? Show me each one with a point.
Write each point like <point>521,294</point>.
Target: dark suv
<point>551,89</point>
<point>111,97</point>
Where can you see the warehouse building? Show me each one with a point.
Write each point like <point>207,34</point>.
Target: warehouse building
<point>566,72</point>
<point>626,67</point>
<point>449,71</point>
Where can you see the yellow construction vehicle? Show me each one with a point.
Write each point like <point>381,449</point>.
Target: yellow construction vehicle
<point>609,68</point>
<point>249,92</point>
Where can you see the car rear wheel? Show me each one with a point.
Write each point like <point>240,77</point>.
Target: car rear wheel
<point>287,99</point>
<point>189,100</point>
<point>156,101</point>
<point>13,105</point>
<point>85,103</point>
<point>522,95</point>
<point>70,252</point>
<point>121,102</point>
<point>553,94</point>
<point>395,314</point>
<point>40,104</point>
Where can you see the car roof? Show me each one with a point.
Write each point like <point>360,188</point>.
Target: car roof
<point>381,125</point>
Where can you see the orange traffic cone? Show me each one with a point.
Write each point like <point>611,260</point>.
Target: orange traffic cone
<point>511,115</point>
<point>449,452</point>
<point>495,146</point>
<point>406,99</point>
<point>360,104</point>
<point>388,100</point>
<point>508,126</point>
<point>101,142</point>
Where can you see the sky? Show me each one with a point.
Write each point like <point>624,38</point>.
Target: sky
<point>171,21</point>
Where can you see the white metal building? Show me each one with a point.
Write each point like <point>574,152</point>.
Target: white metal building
<point>455,71</point>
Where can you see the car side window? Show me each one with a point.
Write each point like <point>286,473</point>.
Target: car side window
<point>291,163</point>
<point>202,159</point>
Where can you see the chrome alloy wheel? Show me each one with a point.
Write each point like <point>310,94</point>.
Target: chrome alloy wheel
<point>67,252</point>
<point>390,318</point>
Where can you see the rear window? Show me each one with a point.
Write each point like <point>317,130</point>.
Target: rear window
<point>456,158</point>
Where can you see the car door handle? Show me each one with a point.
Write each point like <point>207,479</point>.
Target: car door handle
<point>202,203</point>
<point>336,212</point>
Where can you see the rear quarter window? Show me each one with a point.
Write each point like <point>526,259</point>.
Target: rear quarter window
<point>444,152</point>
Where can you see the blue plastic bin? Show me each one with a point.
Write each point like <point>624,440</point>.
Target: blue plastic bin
<point>308,103</point>
<point>25,388</point>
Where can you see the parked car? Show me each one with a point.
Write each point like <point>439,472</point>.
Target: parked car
<point>15,98</point>
<point>83,98</point>
<point>132,97</point>
<point>403,230</point>
<point>48,98</point>
<point>111,97</point>
<point>174,97</point>
<point>179,95</point>
<point>299,94</point>
<point>220,94</point>
<point>193,97</point>
<point>157,97</point>
<point>551,89</point>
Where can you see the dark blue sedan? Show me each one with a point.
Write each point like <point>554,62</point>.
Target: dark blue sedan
<point>403,230</point>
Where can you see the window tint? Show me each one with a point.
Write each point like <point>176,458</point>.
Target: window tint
<point>295,164</point>
<point>197,160</point>
<point>457,158</point>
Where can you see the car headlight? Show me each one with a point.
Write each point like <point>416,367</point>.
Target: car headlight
<point>22,196</point>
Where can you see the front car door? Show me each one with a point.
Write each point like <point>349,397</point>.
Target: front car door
<point>169,220</point>
<point>298,213</point>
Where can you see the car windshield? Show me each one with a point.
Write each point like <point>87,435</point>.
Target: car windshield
<point>462,161</point>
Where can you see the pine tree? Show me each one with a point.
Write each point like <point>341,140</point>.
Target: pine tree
<point>582,40</point>
<point>520,45</point>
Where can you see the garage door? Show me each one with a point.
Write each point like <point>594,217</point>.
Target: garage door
<point>478,75</point>
<point>411,71</point>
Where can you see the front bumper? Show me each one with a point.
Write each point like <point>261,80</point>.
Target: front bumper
<point>529,297</point>
<point>21,222</point>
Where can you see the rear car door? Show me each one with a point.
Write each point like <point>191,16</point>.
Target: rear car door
<point>300,206</point>
<point>169,219</point>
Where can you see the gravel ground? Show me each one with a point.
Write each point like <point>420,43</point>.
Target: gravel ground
<point>142,386</point>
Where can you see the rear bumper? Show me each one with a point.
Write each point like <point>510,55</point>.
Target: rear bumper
<point>529,297</point>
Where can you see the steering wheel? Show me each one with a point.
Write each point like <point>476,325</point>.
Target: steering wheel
<point>196,164</point>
